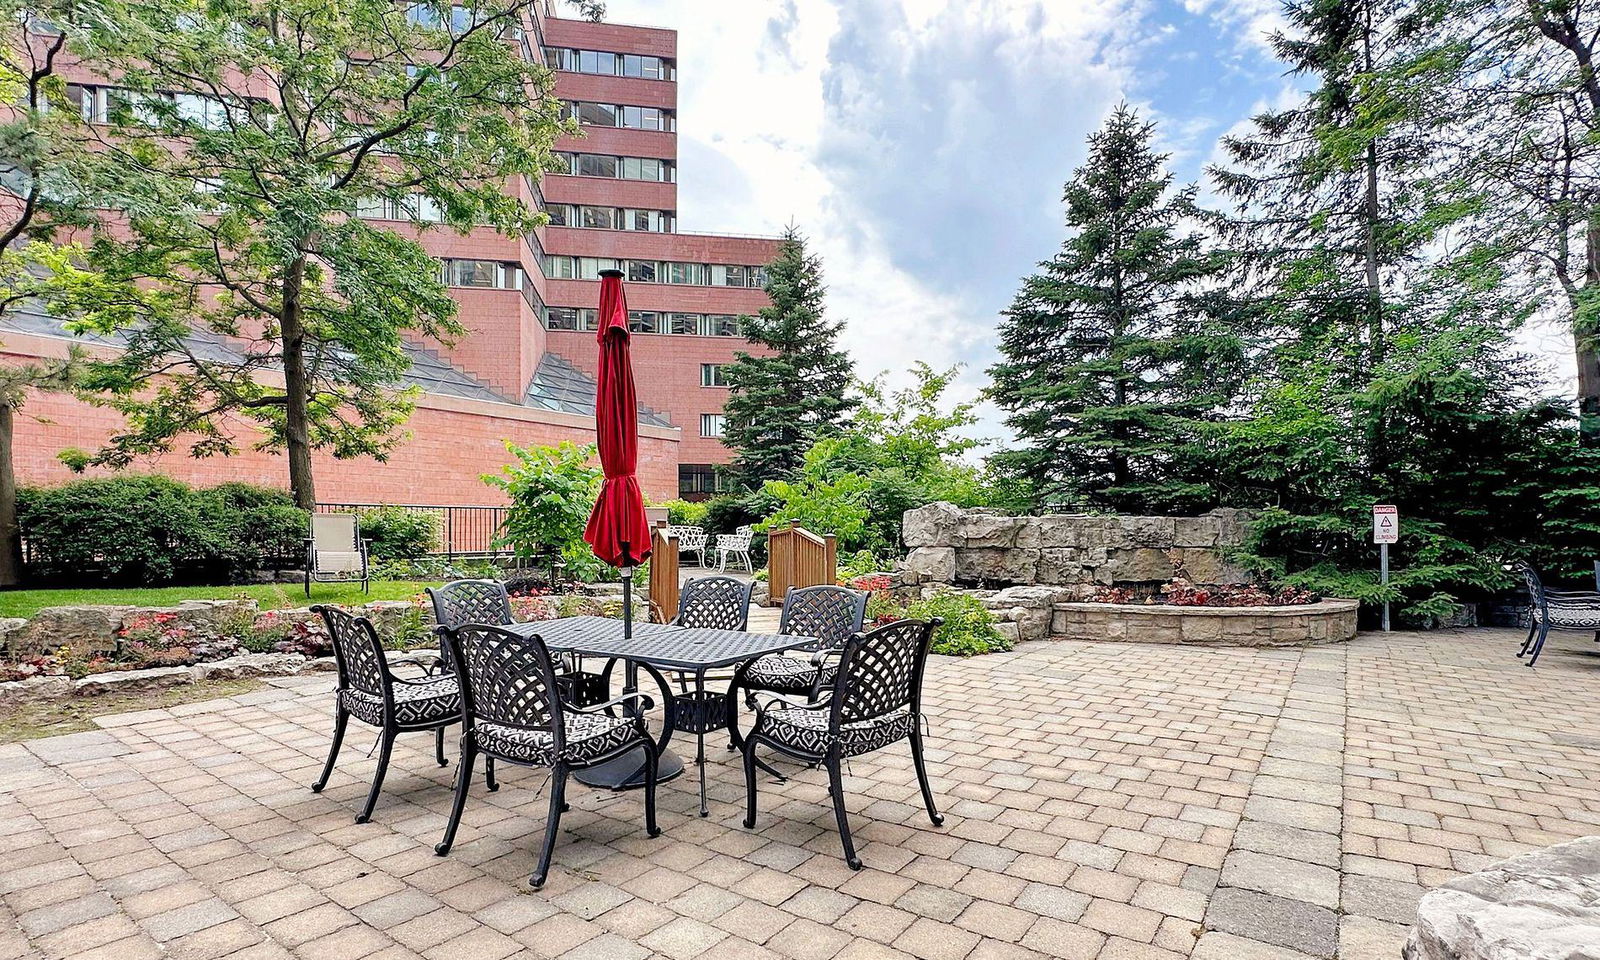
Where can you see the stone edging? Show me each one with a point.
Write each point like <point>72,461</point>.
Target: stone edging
<point>242,667</point>
<point>1330,621</point>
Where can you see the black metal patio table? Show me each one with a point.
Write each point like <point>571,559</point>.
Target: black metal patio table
<point>656,646</point>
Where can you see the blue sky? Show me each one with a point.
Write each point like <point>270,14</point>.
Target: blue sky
<point>922,144</point>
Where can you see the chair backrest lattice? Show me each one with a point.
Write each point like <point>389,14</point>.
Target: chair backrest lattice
<point>506,678</point>
<point>830,614</point>
<point>471,601</point>
<point>1530,577</point>
<point>357,651</point>
<point>714,603</point>
<point>880,671</point>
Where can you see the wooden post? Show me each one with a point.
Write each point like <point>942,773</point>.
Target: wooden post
<point>830,559</point>
<point>663,573</point>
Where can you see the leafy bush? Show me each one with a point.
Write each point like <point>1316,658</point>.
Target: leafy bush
<point>686,513</point>
<point>400,534</point>
<point>968,627</point>
<point>148,530</point>
<point>860,564</point>
<point>552,490</point>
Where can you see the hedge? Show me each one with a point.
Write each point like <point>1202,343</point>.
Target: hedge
<point>153,530</point>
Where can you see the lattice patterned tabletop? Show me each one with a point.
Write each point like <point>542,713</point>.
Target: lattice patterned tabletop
<point>682,648</point>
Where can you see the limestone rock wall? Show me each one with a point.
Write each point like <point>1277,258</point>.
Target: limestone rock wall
<point>984,547</point>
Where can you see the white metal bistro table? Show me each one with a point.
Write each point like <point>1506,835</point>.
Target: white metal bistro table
<point>658,646</point>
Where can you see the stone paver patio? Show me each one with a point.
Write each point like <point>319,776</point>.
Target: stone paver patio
<point>1119,801</point>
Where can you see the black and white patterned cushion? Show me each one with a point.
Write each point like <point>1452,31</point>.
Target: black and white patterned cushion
<point>807,730</point>
<point>427,701</point>
<point>588,736</point>
<point>1574,613</point>
<point>782,674</point>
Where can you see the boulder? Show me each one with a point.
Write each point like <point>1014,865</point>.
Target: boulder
<point>250,665</point>
<point>92,628</point>
<point>931,525</point>
<point>14,692</point>
<point>1543,905</point>
<point>992,530</point>
<point>997,565</point>
<point>132,681</point>
<point>1138,564</point>
<point>1060,565</point>
<point>937,564</point>
<point>1196,531</point>
<point>1233,525</point>
<point>1029,607</point>
<point>1158,532</point>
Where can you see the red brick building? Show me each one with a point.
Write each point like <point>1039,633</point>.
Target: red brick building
<point>524,370</point>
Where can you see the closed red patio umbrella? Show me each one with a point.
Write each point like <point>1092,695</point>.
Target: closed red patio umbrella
<point>618,531</point>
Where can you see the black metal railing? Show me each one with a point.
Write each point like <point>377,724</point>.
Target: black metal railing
<point>464,531</point>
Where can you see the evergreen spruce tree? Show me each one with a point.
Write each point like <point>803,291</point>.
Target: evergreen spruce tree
<point>1102,351</point>
<point>779,405</point>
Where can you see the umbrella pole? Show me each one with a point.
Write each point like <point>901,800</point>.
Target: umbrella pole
<point>626,573</point>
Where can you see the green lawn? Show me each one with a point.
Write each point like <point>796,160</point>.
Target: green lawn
<point>24,603</point>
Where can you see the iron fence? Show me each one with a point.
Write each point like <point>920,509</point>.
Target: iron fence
<point>464,531</point>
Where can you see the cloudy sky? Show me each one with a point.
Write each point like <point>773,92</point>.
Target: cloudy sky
<point>922,144</point>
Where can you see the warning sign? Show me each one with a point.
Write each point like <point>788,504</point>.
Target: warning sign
<point>1385,523</point>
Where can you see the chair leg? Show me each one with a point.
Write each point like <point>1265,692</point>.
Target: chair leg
<point>558,792</point>
<point>749,784</point>
<point>836,787</point>
<point>340,720</point>
<point>1533,628</point>
<point>1538,645</point>
<point>469,755</point>
<point>438,747</point>
<point>922,778</point>
<point>488,775</point>
<point>377,778</point>
<point>652,757</point>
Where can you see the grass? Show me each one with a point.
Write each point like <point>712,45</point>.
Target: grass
<point>49,718</point>
<point>270,596</point>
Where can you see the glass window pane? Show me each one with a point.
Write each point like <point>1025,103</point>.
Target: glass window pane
<point>597,114</point>
<point>642,271</point>
<point>683,324</point>
<point>602,218</point>
<point>561,318</point>
<point>475,273</point>
<point>594,165</point>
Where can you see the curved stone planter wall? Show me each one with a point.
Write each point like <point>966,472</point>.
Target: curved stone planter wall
<point>1330,621</point>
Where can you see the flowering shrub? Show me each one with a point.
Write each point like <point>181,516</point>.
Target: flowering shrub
<point>1180,591</point>
<point>29,668</point>
<point>309,638</point>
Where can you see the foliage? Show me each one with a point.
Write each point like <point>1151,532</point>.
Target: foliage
<point>779,405</point>
<point>552,490</point>
<point>902,450</point>
<point>968,628</point>
<point>152,530</point>
<point>1180,591</point>
<point>687,513</point>
<point>399,534</point>
<point>861,565</point>
<point>437,569</point>
<point>1109,360</point>
<point>244,213</point>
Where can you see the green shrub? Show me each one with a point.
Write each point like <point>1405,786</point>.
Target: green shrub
<point>148,530</point>
<point>686,513</point>
<point>552,490</point>
<point>400,534</point>
<point>968,627</point>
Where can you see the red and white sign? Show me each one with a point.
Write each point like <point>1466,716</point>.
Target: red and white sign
<point>1385,523</point>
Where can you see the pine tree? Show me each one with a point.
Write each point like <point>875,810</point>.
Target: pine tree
<point>779,405</point>
<point>1101,350</point>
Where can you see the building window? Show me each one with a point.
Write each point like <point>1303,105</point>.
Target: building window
<point>697,480</point>
<point>713,375</point>
<point>711,424</point>
<point>649,321</point>
<point>487,274</point>
<point>621,115</point>
<point>609,64</point>
<point>649,169</point>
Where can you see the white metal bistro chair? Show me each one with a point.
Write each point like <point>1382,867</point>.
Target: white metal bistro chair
<point>690,540</point>
<point>335,550</point>
<point>736,545</point>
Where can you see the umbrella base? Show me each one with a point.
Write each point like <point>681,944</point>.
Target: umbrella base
<point>627,771</point>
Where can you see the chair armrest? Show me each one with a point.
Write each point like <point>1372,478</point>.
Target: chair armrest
<point>644,702</point>
<point>428,662</point>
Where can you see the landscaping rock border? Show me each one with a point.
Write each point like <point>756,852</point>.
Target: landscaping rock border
<point>1330,621</point>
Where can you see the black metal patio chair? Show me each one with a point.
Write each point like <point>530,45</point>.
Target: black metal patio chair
<point>1575,610</point>
<point>714,603</point>
<point>461,602</point>
<point>875,701</point>
<point>369,691</point>
<point>831,615</point>
<point>512,711</point>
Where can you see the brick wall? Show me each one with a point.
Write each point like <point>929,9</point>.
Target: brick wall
<point>452,443</point>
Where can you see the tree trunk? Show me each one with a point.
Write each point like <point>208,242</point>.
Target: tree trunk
<point>1584,346</point>
<point>296,416</point>
<point>10,535</point>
